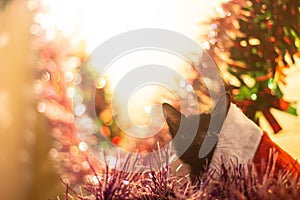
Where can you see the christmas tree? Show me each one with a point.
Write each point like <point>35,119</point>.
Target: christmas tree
<point>256,40</point>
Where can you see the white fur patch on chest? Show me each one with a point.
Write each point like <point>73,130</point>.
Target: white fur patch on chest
<point>238,140</point>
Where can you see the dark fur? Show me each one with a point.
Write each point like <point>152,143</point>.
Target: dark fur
<point>190,156</point>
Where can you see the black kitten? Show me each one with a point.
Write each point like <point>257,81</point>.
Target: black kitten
<point>191,156</point>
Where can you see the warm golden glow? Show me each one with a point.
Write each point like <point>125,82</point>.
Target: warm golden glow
<point>96,21</point>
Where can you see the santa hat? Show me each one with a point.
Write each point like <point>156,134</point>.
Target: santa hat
<point>241,140</point>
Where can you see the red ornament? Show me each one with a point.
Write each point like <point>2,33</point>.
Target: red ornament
<point>269,24</point>
<point>116,140</point>
<point>272,39</point>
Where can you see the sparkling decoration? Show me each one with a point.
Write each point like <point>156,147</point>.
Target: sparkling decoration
<point>243,179</point>
<point>253,42</point>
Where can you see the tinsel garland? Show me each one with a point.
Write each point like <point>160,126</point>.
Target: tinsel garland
<point>233,181</point>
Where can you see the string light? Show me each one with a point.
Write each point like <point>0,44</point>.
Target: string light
<point>41,106</point>
<point>253,97</point>
<point>147,109</point>
<point>82,146</point>
<point>80,109</point>
<point>100,83</point>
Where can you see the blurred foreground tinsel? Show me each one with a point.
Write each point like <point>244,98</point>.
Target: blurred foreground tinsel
<point>3,3</point>
<point>234,181</point>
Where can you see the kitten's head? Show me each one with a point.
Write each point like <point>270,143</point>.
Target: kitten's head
<point>181,127</point>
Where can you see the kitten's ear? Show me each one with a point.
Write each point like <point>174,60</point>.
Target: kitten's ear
<point>173,118</point>
<point>223,104</point>
<point>218,116</point>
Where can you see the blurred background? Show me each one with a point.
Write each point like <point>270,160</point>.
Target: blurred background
<point>43,42</point>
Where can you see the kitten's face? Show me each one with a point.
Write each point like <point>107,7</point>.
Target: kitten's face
<point>176,119</point>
